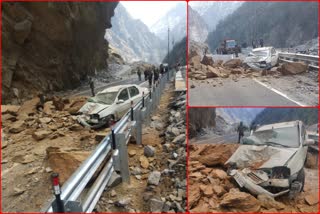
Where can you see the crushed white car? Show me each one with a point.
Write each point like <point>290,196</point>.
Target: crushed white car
<point>271,160</point>
<point>110,105</point>
<point>262,58</point>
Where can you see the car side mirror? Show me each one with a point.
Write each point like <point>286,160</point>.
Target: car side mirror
<point>309,142</point>
<point>120,101</point>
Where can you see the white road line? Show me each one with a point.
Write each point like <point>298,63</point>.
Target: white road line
<point>279,92</point>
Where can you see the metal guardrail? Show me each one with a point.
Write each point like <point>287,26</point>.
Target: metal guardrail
<point>311,60</point>
<point>114,144</point>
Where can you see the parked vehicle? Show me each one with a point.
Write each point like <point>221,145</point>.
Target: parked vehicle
<point>229,46</point>
<point>271,160</point>
<point>110,105</point>
<point>262,58</point>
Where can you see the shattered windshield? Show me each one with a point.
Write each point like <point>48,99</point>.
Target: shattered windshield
<point>285,137</point>
<point>261,53</point>
<point>104,98</point>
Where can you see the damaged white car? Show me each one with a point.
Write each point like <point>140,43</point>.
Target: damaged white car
<point>271,160</point>
<point>262,58</point>
<point>110,105</point>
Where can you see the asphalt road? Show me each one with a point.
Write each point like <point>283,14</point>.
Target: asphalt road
<point>245,92</point>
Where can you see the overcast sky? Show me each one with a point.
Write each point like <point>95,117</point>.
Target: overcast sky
<point>148,11</point>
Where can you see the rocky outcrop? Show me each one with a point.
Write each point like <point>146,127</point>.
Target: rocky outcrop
<point>51,46</point>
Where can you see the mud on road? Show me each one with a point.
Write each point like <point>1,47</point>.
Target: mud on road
<point>212,190</point>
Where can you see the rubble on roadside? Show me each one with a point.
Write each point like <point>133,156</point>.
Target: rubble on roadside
<point>39,140</point>
<point>212,190</point>
<point>206,68</point>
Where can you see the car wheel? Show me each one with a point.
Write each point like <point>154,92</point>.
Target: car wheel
<point>110,120</point>
<point>297,185</point>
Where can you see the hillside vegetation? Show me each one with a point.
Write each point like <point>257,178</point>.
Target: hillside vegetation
<point>274,115</point>
<point>279,24</point>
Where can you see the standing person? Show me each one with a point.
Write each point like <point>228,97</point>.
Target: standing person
<point>156,75</point>
<point>150,75</point>
<point>253,44</point>
<point>161,69</point>
<point>261,42</point>
<point>145,74</point>
<point>139,74</point>
<point>236,50</point>
<point>240,131</point>
<point>91,83</point>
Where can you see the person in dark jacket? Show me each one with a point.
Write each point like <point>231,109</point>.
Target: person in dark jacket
<point>240,131</point>
<point>139,74</point>
<point>91,83</point>
<point>145,74</point>
<point>150,75</point>
<point>156,75</point>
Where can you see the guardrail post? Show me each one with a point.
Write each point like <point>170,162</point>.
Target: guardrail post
<point>57,205</point>
<point>139,127</point>
<point>123,157</point>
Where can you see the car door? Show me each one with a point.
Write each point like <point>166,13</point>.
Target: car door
<point>123,107</point>
<point>135,94</point>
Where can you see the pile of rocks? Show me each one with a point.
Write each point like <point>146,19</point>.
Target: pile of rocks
<point>212,190</point>
<point>174,172</point>
<point>206,68</point>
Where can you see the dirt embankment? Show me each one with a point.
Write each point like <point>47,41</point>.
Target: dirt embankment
<point>37,142</point>
<point>157,167</point>
<point>212,190</point>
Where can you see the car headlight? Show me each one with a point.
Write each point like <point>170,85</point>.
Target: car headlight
<point>94,116</point>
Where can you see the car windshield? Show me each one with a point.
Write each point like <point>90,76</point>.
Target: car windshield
<point>104,98</point>
<point>261,53</point>
<point>231,44</point>
<point>285,137</point>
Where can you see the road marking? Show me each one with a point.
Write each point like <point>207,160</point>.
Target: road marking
<point>278,92</point>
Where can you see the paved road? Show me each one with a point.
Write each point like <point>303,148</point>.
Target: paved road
<point>245,92</point>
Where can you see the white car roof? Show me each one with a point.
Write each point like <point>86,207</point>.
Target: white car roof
<point>262,49</point>
<point>278,125</point>
<point>117,88</point>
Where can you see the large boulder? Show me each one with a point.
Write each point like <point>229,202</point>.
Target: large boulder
<point>194,195</point>
<point>212,72</point>
<point>240,201</point>
<point>207,60</point>
<point>269,202</point>
<point>233,63</point>
<point>291,68</point>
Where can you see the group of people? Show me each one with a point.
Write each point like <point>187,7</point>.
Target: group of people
<point>152,74</point>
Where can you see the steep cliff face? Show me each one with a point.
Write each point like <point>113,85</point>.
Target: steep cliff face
<point>51,46</point>
<point>198,29</point>
<point>133,39</point>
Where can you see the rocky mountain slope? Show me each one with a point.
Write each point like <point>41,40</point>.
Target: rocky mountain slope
<point>197,27</point>
<point>279,24</point>
<point>133,39</point>
<point>176,20</point>
<point>274,115</point>
<point>213,12</point>
<point>49,46</point>
<point>235,115</point>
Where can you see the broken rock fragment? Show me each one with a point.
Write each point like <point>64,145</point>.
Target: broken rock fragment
<point>291,68</point>
<point>154,178</point>
<point>240,201</point>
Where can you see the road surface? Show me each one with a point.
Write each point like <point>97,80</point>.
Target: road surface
<point>245,92</point>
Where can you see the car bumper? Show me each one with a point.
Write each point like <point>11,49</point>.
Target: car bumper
<point>257,189</point>
<point>89,123</point>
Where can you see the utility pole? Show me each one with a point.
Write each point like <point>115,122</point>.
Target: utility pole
<point>168,46</point>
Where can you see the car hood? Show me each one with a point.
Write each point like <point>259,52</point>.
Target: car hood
<point>93,108</point>
<point>255,157</point>
<point>256,59</point>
